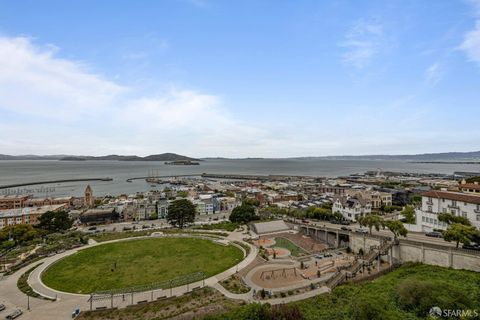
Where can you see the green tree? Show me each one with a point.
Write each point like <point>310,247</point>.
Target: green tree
<point>19,233</point>
<point>371,221</point>
<point>55,221</point>
<point>409,215</point>
<point>460,233</point>
<point>243,214</point>
<point>181,212</point>
<point>450,219</point>
<point>397,228</point>
<point>182,194</point>
<point>6,245</point>
<point>251,202</point>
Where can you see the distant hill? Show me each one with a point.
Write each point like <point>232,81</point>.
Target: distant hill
<point>444,156</point>
<point>114,157</point>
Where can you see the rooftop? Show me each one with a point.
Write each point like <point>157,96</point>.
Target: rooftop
<point>452,196</point>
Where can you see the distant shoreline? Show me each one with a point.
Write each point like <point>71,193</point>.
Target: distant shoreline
<point>447,162</point>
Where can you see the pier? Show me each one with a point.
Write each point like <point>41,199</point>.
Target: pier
<point>52,181</point>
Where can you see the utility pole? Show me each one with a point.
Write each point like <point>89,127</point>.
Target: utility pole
<point>28,302</point>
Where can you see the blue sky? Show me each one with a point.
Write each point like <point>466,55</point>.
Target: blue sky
<point>239,78</point>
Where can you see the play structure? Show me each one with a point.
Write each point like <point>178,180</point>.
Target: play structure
<point>282,272</point>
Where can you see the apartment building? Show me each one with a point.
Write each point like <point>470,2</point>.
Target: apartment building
<point>456,203</point>
<point>26,215</point>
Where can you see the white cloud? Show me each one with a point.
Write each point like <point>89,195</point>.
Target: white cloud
<point>362,43</point>
<point>471,40</point>
<point>433,74</point>
<point>471,43</point>
<point>33,81</point>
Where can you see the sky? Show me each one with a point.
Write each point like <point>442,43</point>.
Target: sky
<point>209,78</point>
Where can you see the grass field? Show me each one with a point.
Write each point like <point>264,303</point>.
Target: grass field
<point>289,245</point>
<point>138,262</point>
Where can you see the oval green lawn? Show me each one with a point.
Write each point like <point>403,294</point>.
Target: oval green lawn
<point>138,262</point>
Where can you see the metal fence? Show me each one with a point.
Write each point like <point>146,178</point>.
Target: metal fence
<point>167,284</point>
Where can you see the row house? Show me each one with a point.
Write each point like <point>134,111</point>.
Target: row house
<point>13,201</point>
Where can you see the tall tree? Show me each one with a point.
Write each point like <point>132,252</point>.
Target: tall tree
<point>55,221</point>
<point>397,228</point>
<point>180,212</point>
<point>409,215</point>
<point>460,233</point>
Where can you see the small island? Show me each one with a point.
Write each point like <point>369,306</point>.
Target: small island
<point>182,163</point>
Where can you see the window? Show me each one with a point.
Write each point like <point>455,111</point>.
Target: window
<point>478,217</point>
<point>429,208</point>
<point>423,218</point>
<point>454,203</point>
<point>444,210</point>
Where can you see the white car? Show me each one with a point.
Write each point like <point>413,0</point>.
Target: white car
<point>362,230</point>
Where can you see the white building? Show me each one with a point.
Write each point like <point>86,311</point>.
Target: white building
<point>456,203</point>
<point>352,207</point>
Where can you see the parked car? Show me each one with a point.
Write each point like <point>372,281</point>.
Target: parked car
<point>361,230</point>
<point>15,314</point>
<point>345,228</point>
<point>434,234</point>
<point>126,228</point>
<point>328,255</point>
<point>305,221</point>
<point>345,222</point>
<point>472,246</point>
<point>92,228</point>
<point>319,256</point>
<point>2,307</point>
<point>339,253</point>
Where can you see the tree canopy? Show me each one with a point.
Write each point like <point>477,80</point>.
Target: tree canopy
<point>397,228</point>
<point>17,233</point>
<point>460,233</point>
<point>55,221</point>
<point>371,221</point>
<point>450,219</point>
<point>181,212</point>
<point>243,214</point>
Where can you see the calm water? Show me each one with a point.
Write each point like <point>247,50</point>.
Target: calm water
<point>29,171</point>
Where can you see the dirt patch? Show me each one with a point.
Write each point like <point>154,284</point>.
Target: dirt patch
<point>279,252</point>
<point>264,242</point>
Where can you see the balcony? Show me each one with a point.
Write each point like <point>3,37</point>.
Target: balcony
<point>429,202</point>
<point>453,206</point>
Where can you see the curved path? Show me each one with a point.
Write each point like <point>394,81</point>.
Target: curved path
<point>66,302</point>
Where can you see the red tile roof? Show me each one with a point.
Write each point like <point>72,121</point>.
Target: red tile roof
<point>452,196</point>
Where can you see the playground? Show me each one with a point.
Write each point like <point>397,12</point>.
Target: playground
<point>295,261</point>
<point>293,274</point>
